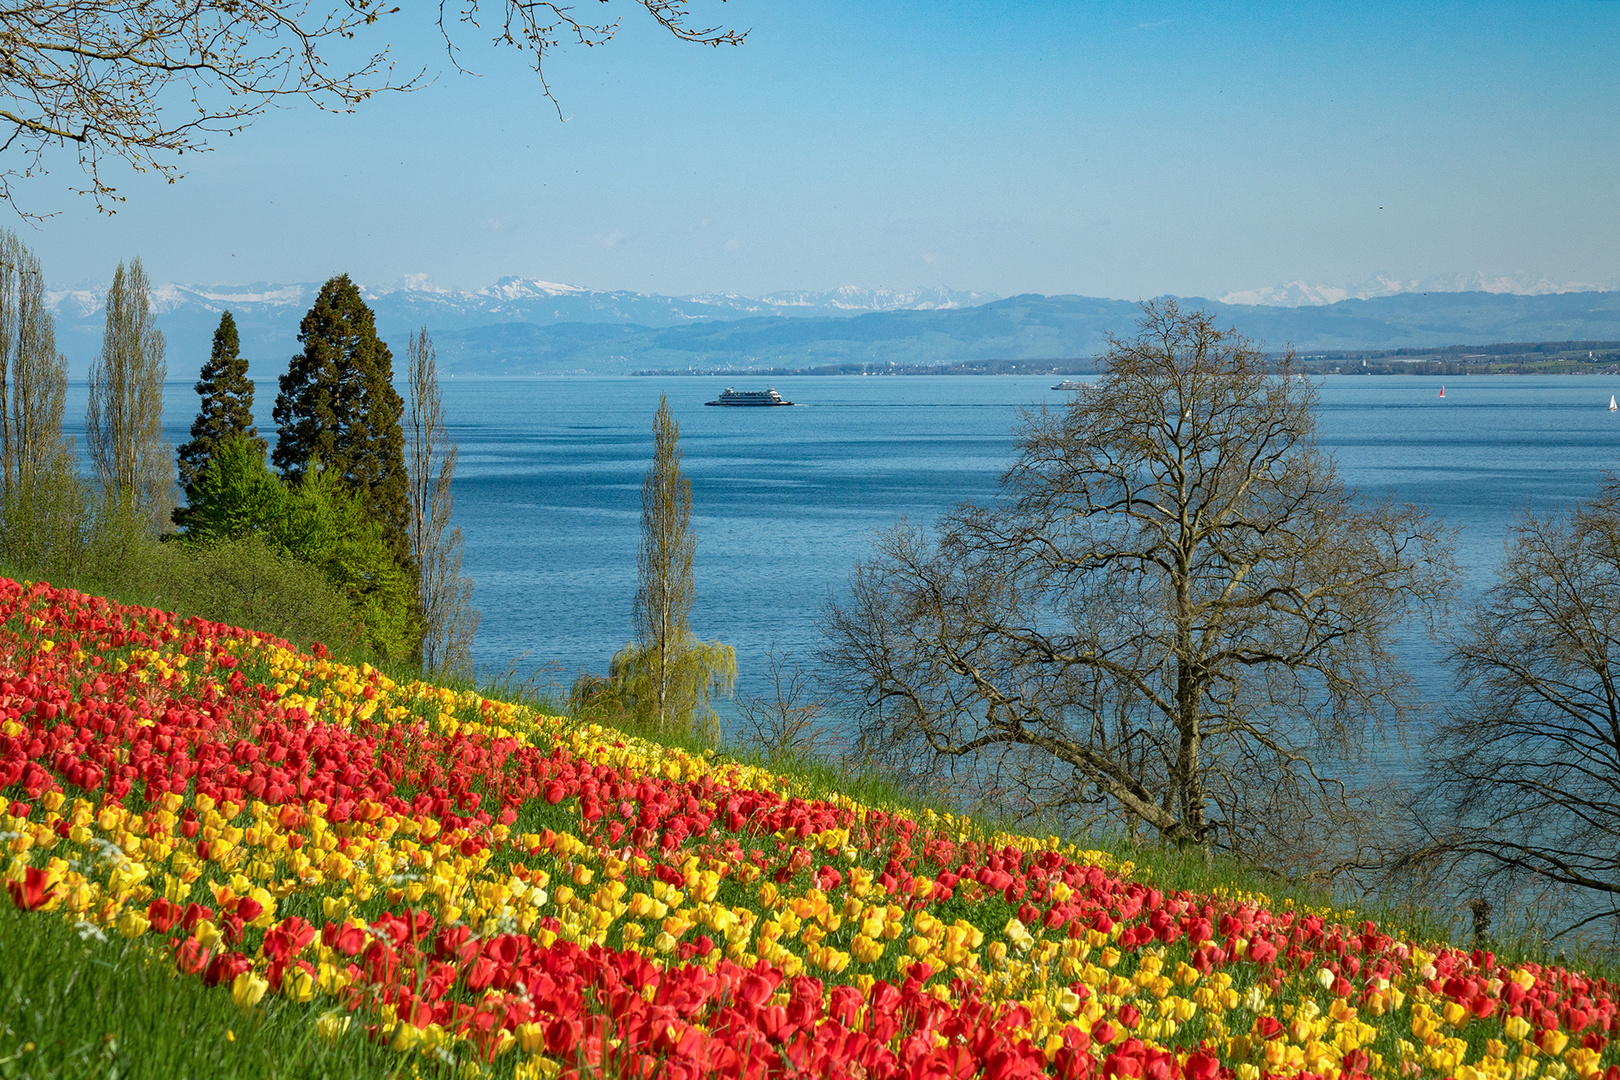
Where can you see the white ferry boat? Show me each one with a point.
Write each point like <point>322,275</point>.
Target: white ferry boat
<point>1069,384</point>
<point>749,397</point>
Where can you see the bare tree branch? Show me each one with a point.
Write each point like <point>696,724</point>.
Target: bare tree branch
<point>147,81</point>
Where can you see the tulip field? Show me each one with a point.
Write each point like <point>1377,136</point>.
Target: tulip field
<point>482,890</point>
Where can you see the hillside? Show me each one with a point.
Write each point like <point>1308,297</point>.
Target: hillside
<point>490,891</point>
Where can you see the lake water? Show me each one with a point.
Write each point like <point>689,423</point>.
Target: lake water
<point>785,500</point>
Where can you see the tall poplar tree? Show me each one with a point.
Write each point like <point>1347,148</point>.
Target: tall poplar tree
<point>226,411</point>
<point>665,587</point>
<point>43,504</point>
<point>124,422</point>
<point>33,375</point>
<point>444,594</point>
<point>666,671</point>
<point>338,407</point>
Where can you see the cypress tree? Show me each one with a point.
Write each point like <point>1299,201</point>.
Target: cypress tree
<point>226,412</point>
<point>338,407</point>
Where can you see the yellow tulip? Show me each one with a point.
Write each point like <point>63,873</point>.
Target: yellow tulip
<point>298,985</point>
<point>132,924</point>
<point>248,989</point>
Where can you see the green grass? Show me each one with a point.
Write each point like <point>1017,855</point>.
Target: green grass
<point>83,1007</point>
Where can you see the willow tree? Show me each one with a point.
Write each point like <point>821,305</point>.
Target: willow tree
<point>668,673</point>
<point>1173,620</point>
<point>444,594</point>
<point>124,421</point>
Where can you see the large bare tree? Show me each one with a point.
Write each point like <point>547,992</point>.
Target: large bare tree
<point>123,423</point>
<point>146,81</point>
<point>444,594</point>
<point>1176,615</point>
<point>1524,786</point>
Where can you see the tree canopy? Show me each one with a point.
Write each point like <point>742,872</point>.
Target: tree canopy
<point>443,593</point>
<point>314,520</point>
<point>33,375</point>
<point>1524,778</point>
<point>123,422</point>
<point>667,674</point>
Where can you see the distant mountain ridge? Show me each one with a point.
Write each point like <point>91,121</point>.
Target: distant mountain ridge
<point>267,314</point>
<point>1304,294</point>
<point>523,326</point>
<point>1020,327</point>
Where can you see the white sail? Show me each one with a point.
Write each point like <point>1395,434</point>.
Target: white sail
<point>1613,407</point>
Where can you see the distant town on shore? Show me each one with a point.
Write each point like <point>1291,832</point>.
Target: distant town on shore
<point>1506,358</point>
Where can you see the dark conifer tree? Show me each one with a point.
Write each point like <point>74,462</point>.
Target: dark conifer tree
<point>338,406</point>
<point>227,408</point>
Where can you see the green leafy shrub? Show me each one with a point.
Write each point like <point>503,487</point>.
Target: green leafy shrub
<point>316,521</point>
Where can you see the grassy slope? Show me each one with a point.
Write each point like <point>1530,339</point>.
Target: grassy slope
<point>73,1006</point>
<point>82,1007</point>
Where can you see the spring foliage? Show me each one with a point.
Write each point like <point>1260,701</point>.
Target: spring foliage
<point>316,521</point>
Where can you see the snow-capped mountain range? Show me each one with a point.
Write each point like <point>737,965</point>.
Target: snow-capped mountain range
<point>531,300</point>
<point>524,326</point>
<point>267,314</point>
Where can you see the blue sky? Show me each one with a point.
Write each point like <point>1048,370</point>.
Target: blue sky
<point>1121,150</point>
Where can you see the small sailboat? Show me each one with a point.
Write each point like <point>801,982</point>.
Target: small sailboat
<point>1613,407</point>
<point>1442,391</point>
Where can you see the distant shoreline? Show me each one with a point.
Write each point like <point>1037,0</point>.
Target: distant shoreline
<point>1503,358</point>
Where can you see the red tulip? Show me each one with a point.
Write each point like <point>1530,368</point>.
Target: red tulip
<point>33,892</point>
<point>1201,1065</point>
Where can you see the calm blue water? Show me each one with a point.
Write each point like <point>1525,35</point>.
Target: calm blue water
<point>785,500</point>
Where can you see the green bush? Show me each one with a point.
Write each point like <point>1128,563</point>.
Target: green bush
<point>57,528</point>
<point>248,583</point>
<point>315,521</point>
<point>46,524</point>
<point>234,495</point>
<point>326,526</point>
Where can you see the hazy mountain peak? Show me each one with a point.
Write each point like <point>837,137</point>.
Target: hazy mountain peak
<point>860,298</point>
<point>417,283</point>
<point>1304,294</point>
